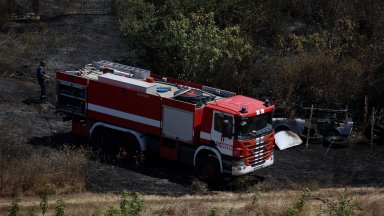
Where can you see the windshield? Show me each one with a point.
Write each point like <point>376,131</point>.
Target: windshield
<point>249,128</point>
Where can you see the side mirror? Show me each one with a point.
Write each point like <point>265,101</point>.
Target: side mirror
<point>227,129</point>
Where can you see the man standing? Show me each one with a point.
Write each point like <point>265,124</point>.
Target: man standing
<point>41,79</point>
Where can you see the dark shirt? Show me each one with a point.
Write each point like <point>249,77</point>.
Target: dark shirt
<point>40,73</point>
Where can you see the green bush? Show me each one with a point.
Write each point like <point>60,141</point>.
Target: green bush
<point>112,211</point>
<point>14,209</point>
<point>188,41</point>
<point>60,207</point>
<point>298,206</point>
<point>213,211</point>
<point>343,206</point>
<point>44,197</point>
<point>130,205</point>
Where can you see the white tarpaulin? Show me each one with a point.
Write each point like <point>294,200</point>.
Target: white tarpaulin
<point>287,139</point>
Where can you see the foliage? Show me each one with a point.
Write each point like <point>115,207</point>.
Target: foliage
<point>96,210</point>
<point>112,211</point>
<point>60,207</point>
<point>124,203</point>
<point>130,205</point>
<point>298,206</point>
<point>315,77</point>
<point>187,42</point>
<point>14,209</point>
<point>256,196</point>
<point>213,211</point>
<point>205,53</point>
<point>137,19</point>
<point>264,48</point>
<point>344,206</point>
<point>44,196</point>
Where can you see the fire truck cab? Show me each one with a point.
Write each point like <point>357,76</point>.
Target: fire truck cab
<point>125,110</point>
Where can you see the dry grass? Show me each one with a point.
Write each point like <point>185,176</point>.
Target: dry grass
<point>26,170</point>
<point>368,200</point>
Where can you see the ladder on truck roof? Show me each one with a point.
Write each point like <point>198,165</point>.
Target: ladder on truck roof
<point>137,72</point>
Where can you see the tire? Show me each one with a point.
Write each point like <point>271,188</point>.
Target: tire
<point>101,143</point>
<point>334,139</point>
<point>101,139</point>
<point>128,149</point>
<point>209,169</point>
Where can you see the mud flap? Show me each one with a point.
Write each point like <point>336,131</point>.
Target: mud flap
<point>287,139</point>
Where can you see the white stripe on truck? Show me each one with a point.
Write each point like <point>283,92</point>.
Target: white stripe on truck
<point>123,115</point>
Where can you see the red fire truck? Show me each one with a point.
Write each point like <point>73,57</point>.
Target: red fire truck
<point>125,110</point>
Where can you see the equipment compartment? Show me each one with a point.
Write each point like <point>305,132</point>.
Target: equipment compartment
<point>71,98</point>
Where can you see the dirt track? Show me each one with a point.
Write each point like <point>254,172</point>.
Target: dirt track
<point>38,125</point>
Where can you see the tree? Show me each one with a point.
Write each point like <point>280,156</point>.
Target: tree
<point>202,52</point>
<point>187,45</point>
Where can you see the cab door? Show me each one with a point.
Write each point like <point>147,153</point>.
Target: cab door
<point>222,132</point>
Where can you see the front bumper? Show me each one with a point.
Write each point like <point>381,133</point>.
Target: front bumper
<point>241,170</point>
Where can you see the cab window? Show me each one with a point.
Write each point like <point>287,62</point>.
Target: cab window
<point>219,121</point>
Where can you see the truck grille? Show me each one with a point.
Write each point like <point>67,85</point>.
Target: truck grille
<point>259,153</point>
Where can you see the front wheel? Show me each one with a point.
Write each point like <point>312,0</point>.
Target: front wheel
<point>209,169</point>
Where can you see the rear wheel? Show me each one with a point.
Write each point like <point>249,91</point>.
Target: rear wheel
<point>101,142</point>
<point>129,149</point>
<point>209,169</point>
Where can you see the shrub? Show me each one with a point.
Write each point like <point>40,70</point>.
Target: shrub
<point>298,206</point>
<point>343,206</point>
<point>112,211</point>
<point>44,196</point>
<point>124,203</point>
<point>60,207</point>
<point>188,44</point>
<point>14,209</point>
<point>130,205</point>
<point>213,211</point>
<point>314,77</point>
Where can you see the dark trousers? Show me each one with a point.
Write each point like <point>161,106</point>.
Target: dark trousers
<point>43,90</point>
